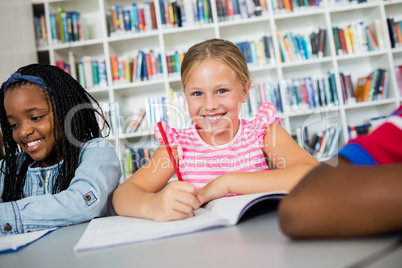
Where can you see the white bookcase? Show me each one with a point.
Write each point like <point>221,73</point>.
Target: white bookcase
<point>130,96</point>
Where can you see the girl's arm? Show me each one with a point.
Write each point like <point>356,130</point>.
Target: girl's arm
<point>95,178</point>
<point>292,162</point>
<point>345,200</point>
<point>139,196</point>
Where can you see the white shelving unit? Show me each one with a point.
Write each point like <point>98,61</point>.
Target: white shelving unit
<point>132,95</point>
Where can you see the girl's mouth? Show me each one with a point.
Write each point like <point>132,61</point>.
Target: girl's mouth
<point>213,118</point>
<point>33,145</point>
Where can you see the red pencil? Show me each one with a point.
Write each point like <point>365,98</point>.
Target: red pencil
<point>165,140</point>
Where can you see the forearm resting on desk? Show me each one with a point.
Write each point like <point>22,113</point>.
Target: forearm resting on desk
<point>344,201</point>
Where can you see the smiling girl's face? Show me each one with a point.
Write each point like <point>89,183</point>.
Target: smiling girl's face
<point>214,96</point>
<point>29,113</point>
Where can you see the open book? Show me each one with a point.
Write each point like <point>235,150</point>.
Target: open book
<point>118,230</point>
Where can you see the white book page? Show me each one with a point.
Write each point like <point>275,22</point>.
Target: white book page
<point>118,230</point>
<point>18,241</point>
<point>233,207</point>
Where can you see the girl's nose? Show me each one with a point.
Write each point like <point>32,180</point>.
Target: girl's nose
<point>25,130</point>
<point>211,104</point>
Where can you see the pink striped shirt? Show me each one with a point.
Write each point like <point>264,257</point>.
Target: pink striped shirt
<point>200,162</point>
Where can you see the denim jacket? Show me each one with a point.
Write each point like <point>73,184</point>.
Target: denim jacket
<point>96,177</point>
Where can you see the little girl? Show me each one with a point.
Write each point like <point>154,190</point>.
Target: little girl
<point>220,154</point>
<point>57,170</point>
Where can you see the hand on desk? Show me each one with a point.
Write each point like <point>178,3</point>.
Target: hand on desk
<point>213,190</point>
<point>176,201</point>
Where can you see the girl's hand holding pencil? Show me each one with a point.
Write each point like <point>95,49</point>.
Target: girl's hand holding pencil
<point>176,201</point>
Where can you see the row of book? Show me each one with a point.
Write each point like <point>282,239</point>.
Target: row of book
<point>309,93</point>
<point>260,93</point>
<point>398,75</point>
<point>141,67</point>
<point>395,32</point>
<point>134,158</point>
<point>240,9</point>
<point>335,3</point>
<point>296,47</point>
<point>323,143</point>
<point>173,61</point>
<point>185,13</point>
<point>90,73</point>
<point>258,53</point>
<point>374,86</point>
<point>66,26</point>
<point>358,37</point>
<point>132,19</point>
<point>286,6</point>
<point>41,39</point>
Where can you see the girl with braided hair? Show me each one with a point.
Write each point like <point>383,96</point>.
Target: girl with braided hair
<point>58,169</point>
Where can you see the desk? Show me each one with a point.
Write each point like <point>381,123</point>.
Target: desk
<point>255,242</point>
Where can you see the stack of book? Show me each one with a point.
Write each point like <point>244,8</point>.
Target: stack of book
<point>324,143</point>
<point>309,93</point>
<point>105,109</point>
<point>374,86</point>
<point>260,93</point>
<point>174,61</point>
<point>334,3</point>
<point>359,130</point>
<point>287,6</point>
<point>260,52</point>
<point>134,158</point>
<point>132,19</point>
<point>296,47</point>
<point>90,73</point>
<point>41,39</point>
<point>141,67</point>
<point>395,32</point>
<point>66,26</point>
<point>177,110</point>
<point>358,37</point>
<point>156,109</point>
<point>185,13</point>
<point>240,9</point>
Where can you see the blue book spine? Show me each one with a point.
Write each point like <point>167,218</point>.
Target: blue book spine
<point>127,20</point>
<point>176,56</point>
<point>160,67</point>
<point>253,50</point>
<point>144,68</point>
<point>161,8</point>
<point>65,27</point>
<point>102,73</point>
<point>310,92</point>
<point>200,10</point>
<point>135,22</point>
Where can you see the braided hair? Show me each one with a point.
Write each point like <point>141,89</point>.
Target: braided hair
<point>65,94</point>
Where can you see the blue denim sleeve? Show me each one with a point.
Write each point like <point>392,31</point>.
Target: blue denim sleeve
<point>95,178</point>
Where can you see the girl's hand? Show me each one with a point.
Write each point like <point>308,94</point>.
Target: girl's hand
<point>215,189</point>
<point>176,201</point>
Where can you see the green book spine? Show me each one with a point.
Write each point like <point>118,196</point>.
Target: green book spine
<point>60,11</point>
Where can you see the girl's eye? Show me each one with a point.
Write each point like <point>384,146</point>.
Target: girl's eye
<point>36,118</point>
<point>222,90</point>
<point>197,93</point>
<point>13,126</point>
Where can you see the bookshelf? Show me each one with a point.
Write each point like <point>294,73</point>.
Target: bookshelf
<point>125,99</point>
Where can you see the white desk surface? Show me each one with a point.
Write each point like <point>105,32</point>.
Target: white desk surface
<point>254,242</point>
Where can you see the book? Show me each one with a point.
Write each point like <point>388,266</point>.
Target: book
<point>226,211</point>
<point>16,242</point>
<point>363,88</point>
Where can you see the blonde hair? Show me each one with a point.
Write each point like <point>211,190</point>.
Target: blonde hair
<point>217,49</point>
